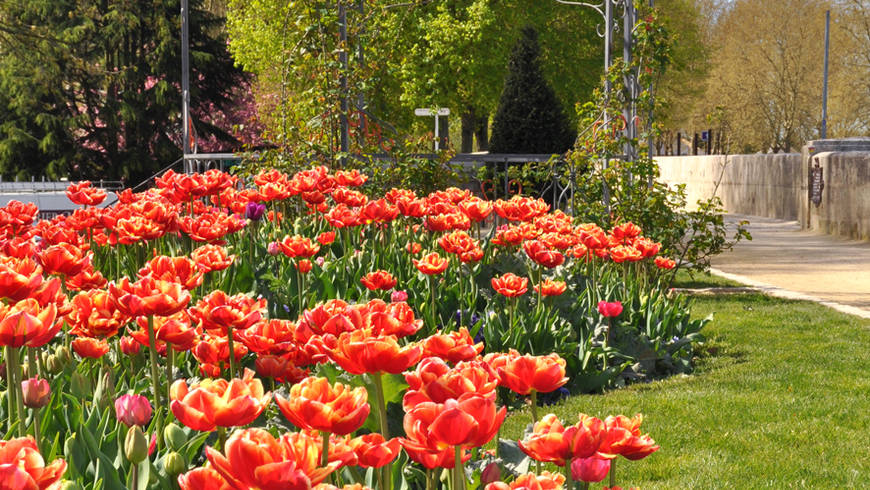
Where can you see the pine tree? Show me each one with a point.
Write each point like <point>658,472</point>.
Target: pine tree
<point>529,118</point>
<point>91,88</point>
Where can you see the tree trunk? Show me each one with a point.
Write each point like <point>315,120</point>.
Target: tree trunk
<point>481,132</point>
<point>467,131</point>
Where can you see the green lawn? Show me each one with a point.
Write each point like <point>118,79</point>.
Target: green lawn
<point>697,280</point>
<point>780,399</point>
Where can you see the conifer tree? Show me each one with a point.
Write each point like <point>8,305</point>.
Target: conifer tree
<point>529,118</point>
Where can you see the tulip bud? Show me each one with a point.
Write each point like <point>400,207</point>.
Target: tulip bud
<point>491,473</point>
<point>130,346</point>
<point>135,445</point>
<point>304,266</point>
<point>36,392</point>
<point>174,436</point>
<point>133,410</point>
<point>254,211</point>
<point>80,386</point>
<point>63,355</point>
<point>174,464</point>
<point>398,296</point>
<point>53,365</point>
<point>273,248</point>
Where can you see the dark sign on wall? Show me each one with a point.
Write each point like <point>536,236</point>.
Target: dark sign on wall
<point>817,183</point>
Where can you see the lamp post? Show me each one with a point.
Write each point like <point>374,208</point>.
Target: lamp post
<point>186,146</point>
<point>442,111</point>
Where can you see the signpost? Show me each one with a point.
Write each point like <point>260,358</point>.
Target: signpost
<point>441,111</point>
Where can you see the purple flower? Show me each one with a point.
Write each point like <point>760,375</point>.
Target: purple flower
<point>254,210</point>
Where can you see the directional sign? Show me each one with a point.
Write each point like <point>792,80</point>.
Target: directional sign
<point>443,111</point>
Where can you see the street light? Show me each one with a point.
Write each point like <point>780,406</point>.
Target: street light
<point>442,111</point>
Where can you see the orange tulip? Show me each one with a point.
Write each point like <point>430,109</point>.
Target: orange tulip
<point>19,278</point>
<point>413,248</point>
<point>149,296</point>
<point>360,351</point>
<point>665,263</point>
<point>350,178</point>
<point>314,404</point>
<point>175,269</point>
<point>623,437</point>
<point>90,347</point>
<point>551,288</point>
<point>457,242</point>
<point>252,458</point>
<point>379,211</point>
<point>211,258</point>
<point>510,285</point>
<point>455,220</point>
<point>430,459</point>
<point>452,347</point>
<point>431,264</point>
<point>280,368</point>
<point>435,381</point>
<point>273,336</point>
<point>213,353</point>
<point>476,209</point>
<point>326,238</point>
<point>298,246</point>
<point>341,216</point>
<point>413,208</point>
<point>378,280</point>
<point>219,312</point>
<point>85,280</point>
<point>349,197</point>
<point>522,374</point>
<point>93,314</point>
<point>551,442</point>
<point>175,330</point>
<point>22,467</point>
<point>27,323</point>
<point>373,451</point>
<point>541,254</point>
<point>85,195</point>
<point>202,478</point>
<point>625,232</point>
<point>625,253</point>
<point>217,402</point>
<point>469,421</point>
<point>531,481</point>
<point>64,258</point>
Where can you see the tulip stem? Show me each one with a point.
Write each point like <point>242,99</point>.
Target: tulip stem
<point>152,352</point>
<point>36,435</point>
<point>435,319</point>
<point>170,360</point>
<point>324,454</point>
<point>222,437</point>
<point>32,372</point>
<point>534,396</point>
<point>382,407</point>
<point>10,383</point>
<point>569,481</point>
<point>458,470</point>
<point>134,480</point>
<point>16,387</point>
<point>430,477</point>
<point>613,472</point>
<point>232,349</point>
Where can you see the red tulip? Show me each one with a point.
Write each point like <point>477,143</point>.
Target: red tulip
<point>19,278</point>
<point>551,442</point>
<point>65,259</point>
<point>219,312</point>
<point>175,269</point>
<point>609,309</point>
<point>315,404</point>
<point>531,481</point>
<point>623,437</point>
<point>540,253</point>
<point>298,246</point>
<point>93,314</point>
<point>202,478</point>
<point>625,253</point>
<point>211,258</point>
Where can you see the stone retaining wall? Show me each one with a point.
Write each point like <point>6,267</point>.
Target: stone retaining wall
<point>780,185</point>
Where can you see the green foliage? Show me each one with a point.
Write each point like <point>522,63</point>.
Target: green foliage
<point>529,118</point>
<point>610,190</point>
<point>92,89</point>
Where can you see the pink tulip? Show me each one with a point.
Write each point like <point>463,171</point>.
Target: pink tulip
<point>133,410</point>
<point>591,469</point>
<point>609,309</point>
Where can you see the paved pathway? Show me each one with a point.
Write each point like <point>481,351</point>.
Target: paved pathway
<point>785,261</point>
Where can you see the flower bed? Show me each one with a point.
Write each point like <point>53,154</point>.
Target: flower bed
<point>436,313</point>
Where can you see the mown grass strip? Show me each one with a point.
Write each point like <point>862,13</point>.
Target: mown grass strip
<point>780,399</point>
